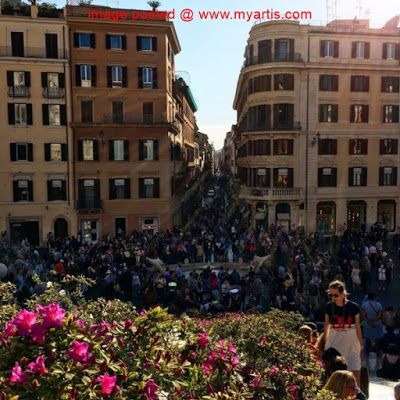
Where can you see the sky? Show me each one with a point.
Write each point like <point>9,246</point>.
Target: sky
<point>212,51</point>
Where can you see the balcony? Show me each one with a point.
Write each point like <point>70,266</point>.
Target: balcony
<point>53,93</point>
<point>277,126</point>
<point>32,52</point>
<point>287,126</point>
<point>130,118</point>
<point>276,58</point>
<point>18,91</point>
<point>259,193</point>
<point>89,205</point>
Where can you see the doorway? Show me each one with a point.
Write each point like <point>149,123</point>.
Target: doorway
<point>19,230</point>
<point>120,226</point>
<point>60,228</point>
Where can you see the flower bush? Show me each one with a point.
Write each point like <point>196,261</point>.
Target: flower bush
<point>106,350</point>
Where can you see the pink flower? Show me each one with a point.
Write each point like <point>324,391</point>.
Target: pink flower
<point>128,324</point>
<point>38,333</point>
<point>143,313</point>
<point>53,316</point>
<point>203,341</point>
<point>109,384</point>
<point>81,323</point>
<point>10,330</point>
<point>17,376</point>
<point>150,390</point>
<point>263,341</point>
<point>255,383</point>
<point>231,348</point>
<point>38,367</point>
<point>24,322</point>
<point>79,351</point>
<point>234,361</point>
<point>273,371</point>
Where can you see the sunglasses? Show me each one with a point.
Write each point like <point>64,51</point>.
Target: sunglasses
<point>330,295</point>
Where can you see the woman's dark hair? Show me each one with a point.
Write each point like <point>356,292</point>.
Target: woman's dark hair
<point>393,349</point>
<point>329,354</point>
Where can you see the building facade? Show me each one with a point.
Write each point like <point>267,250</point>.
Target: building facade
<point>318,125</point>
<point>36,194</point>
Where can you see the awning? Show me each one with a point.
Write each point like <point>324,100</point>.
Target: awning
<point>260,215</point>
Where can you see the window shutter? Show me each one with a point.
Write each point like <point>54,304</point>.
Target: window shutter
<point>27,79</point>
<point>138,43</point>
<point>383,84</point>
<point>336,49</point>
<point>335,82</point>
<point>127,188</point>
<point>141,188</point>
<point>321,112</point>
<point>381,169</point>
<point>109,76</point>
<point>395,144</point>
<point>276,171</point>
<point>276,147</point>
<point>44,79</point>
<point>395,114</point>
<point>92,41</point>
<point>291,49</point>
<point>366,50</point>
<point>381,147</point>
<point>156,188</point>
<point>13,152</point>
<point>351,177</point>
<point>126,150</point>
<point>29,120</point>
<point>15,191</point>
<point>123,42</point>
<point>396,85</point>
<point>30,189</point>
<point>394,172</point>
<point>364,176</point>
<point>290,177</point>
<point>11,114</point>
<point>276,82</point>
<point>80,150</point>
<point>320,147</point>
<point>63,115</point>
<point>291,82</point>
<point>155,149</point>
<point>352,115</point>
<point>322,48</point>
<point>76,39</point>
<point>141,150</point>
<point>384,51</point>
<point>45,114</point>
<point>93,75</point>
<point>111,189</point>
<point>154,43</point>
<point>140,78</point>
<point>353,49</point>
<point>108,42</point>
<point>124,77</point>
<point>10,78</point>
<point>383,113</point>
<point>334,177</point>
<point>78,81</point>
<point>397,51</point>
<point>47,156</point>
<point>111,150</point>
<point>364,146</point>
<point>321,82</point>
<point>335,116</point>
<point>365,113</point>
<point>352,83</point>
<point>64,152</point>
<point>61,80</point>
<point>351,146</point>
<point>366,83</point>
<point>95,150</point>
<point>290,147</point>
<point>155,78</point>
<point>97,189</point>
<point>30,151</point>
<point>49,191</point>
<point>334,146</point>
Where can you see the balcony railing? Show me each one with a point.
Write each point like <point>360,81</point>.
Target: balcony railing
<point>278,126</point>
<point>18,91</point>
<point>289,57</point>
<point>89,205</point>
<point>273,194</point>
<point>129,118</point>
<point>53,93</point>
<point>32,52</point>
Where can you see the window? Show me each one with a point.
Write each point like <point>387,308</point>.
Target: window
<point>21,152</point>
<point>116,42</point>
<point>327,177</point>
<point>284,49</point>
<point>85,77</point>
<point>390,84</point>
<point>357,176</point>
<point>51,40</point>
<point>388,146</point>
<point>149,188</point>
<point>119,188</point>
<point>23,190</point>
<point>327,147</point>
<point>147,113</point>
<point>264,51</point>
<point>54,114</point>
<point>283,116</point>
<point>53,84</point>
<point>258,118</point>
<point>19,114</point>
<point>283,147</point>
<point>260,177</point>
<point>259,147</point>
<point>85,40</point>
<point>359,113</point>
<point>388,176</point>
<point>359,84</point>
<point>358,146</point>
<point>329,48</point>
<point>328,113</point>
<point>146,43</point>
<point>18,83</point>
<point>116,76</point>
<point>119,150</point>
<point>17,44</point>
<point>389,51</point>
<point>329,83</point>
<point>360,50</point>
<point>117,112</point>
<point>87,111</point>
<point>283,177</point>
<point>55,152</point>
<point>259,84</point>
<point>147,77</point>
<point>284,82</point>
<point>88,150</point>
<point>390,114</point>
<point>56,190</point>
<point>148,150</point>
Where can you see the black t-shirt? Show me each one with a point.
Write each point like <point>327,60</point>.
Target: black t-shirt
<point>339,316</point>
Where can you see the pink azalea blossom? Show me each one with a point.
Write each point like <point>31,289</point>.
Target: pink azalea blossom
<point>150,389</point>
<point>79,351</point>
<point>81,323</point>
<point>263,341</point>
<point>255,383</point>
<point>109,384</point>
<point>10,330</point>
<point>53,316</point>
<point>17,376</point>
<point>38,333</point>
<point>231,348</point>
<point>143,313</point>
<point>38,367</point>
<point>203,341</point>
<point>234,361</point>
<point>24,322</point>
<point>128,324</point>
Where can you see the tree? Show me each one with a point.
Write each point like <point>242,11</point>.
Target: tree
<point>154,4</point>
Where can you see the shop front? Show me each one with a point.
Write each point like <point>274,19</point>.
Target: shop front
<point>282,213</point>
<point>387,214</point>
<point>326,216</point>
<point>356,215</point>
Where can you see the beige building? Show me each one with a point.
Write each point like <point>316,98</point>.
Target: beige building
<point>36,189</point>
<point>318,125</point>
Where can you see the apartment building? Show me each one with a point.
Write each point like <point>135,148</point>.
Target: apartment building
<point>318,125</point>
<point>36,194</point>
<point>123,123</point>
